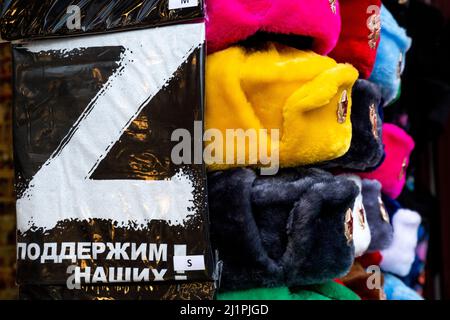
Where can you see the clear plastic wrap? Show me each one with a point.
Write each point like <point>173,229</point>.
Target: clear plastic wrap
<point>24,19</point>
<point>99,199</point>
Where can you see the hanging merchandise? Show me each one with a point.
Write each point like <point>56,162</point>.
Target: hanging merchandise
<point>400,255</point>
<point>366,151</point>
<point>391,54</point>
<point>24,19</point>
<point>303,97</point>
<point>327,291</point>
<point>100,199</point>
<point>230,22</point>
<point>360,35</point>
<point>361,228</point>
<point>295,228</point>
<point>377,216</point>
<point>392,173</point>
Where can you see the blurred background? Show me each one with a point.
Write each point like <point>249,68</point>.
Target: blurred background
<point>7,199</point>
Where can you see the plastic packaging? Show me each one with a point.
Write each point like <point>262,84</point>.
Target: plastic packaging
<point>183,291</point>
<point>99,198</point>
<point>24,19</point>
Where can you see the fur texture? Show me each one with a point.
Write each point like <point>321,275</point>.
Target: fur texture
<point>396,290</point>
<point>390,61</point>
<point>355,45</point>
<point>366,150</point>
<point>370,259</point>
<point>231,21</point>
<point>392,172</point>
<point>327,291</point>
<point>391,205</point>
<point>361,228</point>
<point>399,257</point>
<point>297,92</point>
<point>357,280</point>
<point>380,227</point>
<point>284,230</point>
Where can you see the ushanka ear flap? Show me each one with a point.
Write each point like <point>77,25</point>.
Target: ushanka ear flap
<point>360,35</point>
<point>232,21</point>
<point>319,234</point>
<point>235,233</point>
<point>271,196</point>
<point>303,236</point>
<point>392,172</point>
<point>377,216</point>
<point>310,233</point>
<point>399,257</point>
<point>361,230</point>
<point>390,61</point>
<point>297,101</point>
<point>366,149</point>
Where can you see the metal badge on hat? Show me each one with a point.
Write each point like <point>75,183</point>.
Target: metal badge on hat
<point>373,120</point>
<point>342,107</point>
<point>348,225</point>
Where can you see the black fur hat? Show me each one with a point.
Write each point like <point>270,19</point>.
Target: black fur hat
<point>290,229</point>
<point>377,216</point>
<point>366,150</point>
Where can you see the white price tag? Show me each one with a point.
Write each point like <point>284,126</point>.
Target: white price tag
<point>188,263</point>
<point>179,4</point>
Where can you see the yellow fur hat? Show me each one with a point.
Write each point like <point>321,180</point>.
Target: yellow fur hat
<point>307,97</point>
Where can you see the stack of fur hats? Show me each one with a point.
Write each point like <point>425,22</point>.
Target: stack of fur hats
<point>305,82</point>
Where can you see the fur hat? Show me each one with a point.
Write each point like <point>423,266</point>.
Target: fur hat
<point>291,229</point>
<point>396,290</point>
<point>390,61</point>
<point>303,95</point>
<point>361,230</point>
<point>327,291</point>
<point>392,172</point>
<point>366,150</point>
<point>391,205</point>
<point>370,259</point>
<point>231,21</point>
<point>377,215</point>
<point>357,280</point>
<point>399,257</point>
<point>360,35</point>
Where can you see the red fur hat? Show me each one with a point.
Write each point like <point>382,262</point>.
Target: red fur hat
<point>360,34</point>
<point>370,259</point>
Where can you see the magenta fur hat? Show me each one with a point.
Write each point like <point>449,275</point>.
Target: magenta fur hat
<point>231,21</point>
<point>392,173</point>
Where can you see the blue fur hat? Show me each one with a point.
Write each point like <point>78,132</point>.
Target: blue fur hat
<point>395,289</point>
<point>377,216</point>
<point>390,61</point>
